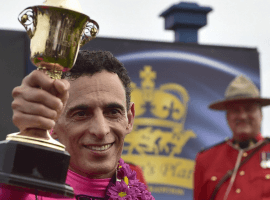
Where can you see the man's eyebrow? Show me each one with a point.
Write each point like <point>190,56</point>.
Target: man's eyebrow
<point>115,105</point>
<point>86,107</point>
<point>77,107</point>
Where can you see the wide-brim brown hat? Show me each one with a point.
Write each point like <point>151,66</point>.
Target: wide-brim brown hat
<point>241,89</point>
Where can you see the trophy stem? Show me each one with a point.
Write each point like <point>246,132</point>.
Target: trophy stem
<point>37,133</point>
<point>52,73</point>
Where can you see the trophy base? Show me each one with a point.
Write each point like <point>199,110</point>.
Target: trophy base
<point>35,169</point>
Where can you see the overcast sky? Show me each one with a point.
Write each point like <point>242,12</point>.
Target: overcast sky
<point>239,23</point>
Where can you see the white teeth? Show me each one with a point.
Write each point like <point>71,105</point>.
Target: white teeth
<point>99,148</point>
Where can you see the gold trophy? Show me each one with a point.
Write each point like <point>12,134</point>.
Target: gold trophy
<point>39,164</point>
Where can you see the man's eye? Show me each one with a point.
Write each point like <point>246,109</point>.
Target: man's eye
<point>80,113</point>
<point>114,112</point>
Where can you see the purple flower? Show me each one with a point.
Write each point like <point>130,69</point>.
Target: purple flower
<point>137,184</point>
<point>129,188</point>
<point>121,162</point>
<point>121,191</point>
<point>125,171</point>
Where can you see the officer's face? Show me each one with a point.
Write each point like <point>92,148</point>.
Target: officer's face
<point>244,120</point>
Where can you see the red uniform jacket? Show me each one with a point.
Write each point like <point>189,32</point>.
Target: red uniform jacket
<point>252,181</point>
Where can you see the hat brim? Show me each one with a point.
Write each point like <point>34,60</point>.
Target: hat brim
<point>225,104</point>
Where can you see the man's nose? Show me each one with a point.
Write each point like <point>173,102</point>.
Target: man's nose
<point>242,113</point>
<point>99,126</point>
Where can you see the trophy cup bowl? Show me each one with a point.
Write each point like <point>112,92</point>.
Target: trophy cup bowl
<point>39,164</point>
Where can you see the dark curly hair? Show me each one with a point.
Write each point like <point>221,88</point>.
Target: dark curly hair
<point>91,62</point>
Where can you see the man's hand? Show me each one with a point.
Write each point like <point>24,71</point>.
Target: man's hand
<point>36,108</point>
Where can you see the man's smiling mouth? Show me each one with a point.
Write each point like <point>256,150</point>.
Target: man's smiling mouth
<point>98,148</point>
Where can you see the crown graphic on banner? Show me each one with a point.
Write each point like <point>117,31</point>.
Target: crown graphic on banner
<point>158,135</point>
<point>166,106</point>
<point>160,117</point>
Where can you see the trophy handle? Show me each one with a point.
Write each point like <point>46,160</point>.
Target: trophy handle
<point>28,19</point>
<point>90,31</point>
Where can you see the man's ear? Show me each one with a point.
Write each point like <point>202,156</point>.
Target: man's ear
<point>130,116</point>
<point>53,134</point>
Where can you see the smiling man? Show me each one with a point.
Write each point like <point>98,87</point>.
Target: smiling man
<point>94,124</point>
<point>238,168</point>
<point>90,113</point>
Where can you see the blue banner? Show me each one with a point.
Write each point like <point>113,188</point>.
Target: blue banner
<point>172,86</point>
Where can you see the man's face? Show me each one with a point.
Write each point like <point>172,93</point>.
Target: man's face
<point>244,120</point>
<point>94,124</point>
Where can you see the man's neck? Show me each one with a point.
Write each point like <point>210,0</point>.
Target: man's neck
<point>93,175</point>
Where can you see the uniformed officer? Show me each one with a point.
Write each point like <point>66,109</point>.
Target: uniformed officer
<point>238,168</point>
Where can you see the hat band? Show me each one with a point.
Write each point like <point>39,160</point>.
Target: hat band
<point>241,96</point>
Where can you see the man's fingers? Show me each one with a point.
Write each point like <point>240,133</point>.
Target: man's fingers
<point>38,79</point>
<point>39,101</point>
<point>33,109</point>
<point>33,121</point>
<point>61,86</point>
<point>36,95</point>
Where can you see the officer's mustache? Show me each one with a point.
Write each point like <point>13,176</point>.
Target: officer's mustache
<point>239,121</point>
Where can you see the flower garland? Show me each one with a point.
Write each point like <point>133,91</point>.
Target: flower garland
<point>127,186</point>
